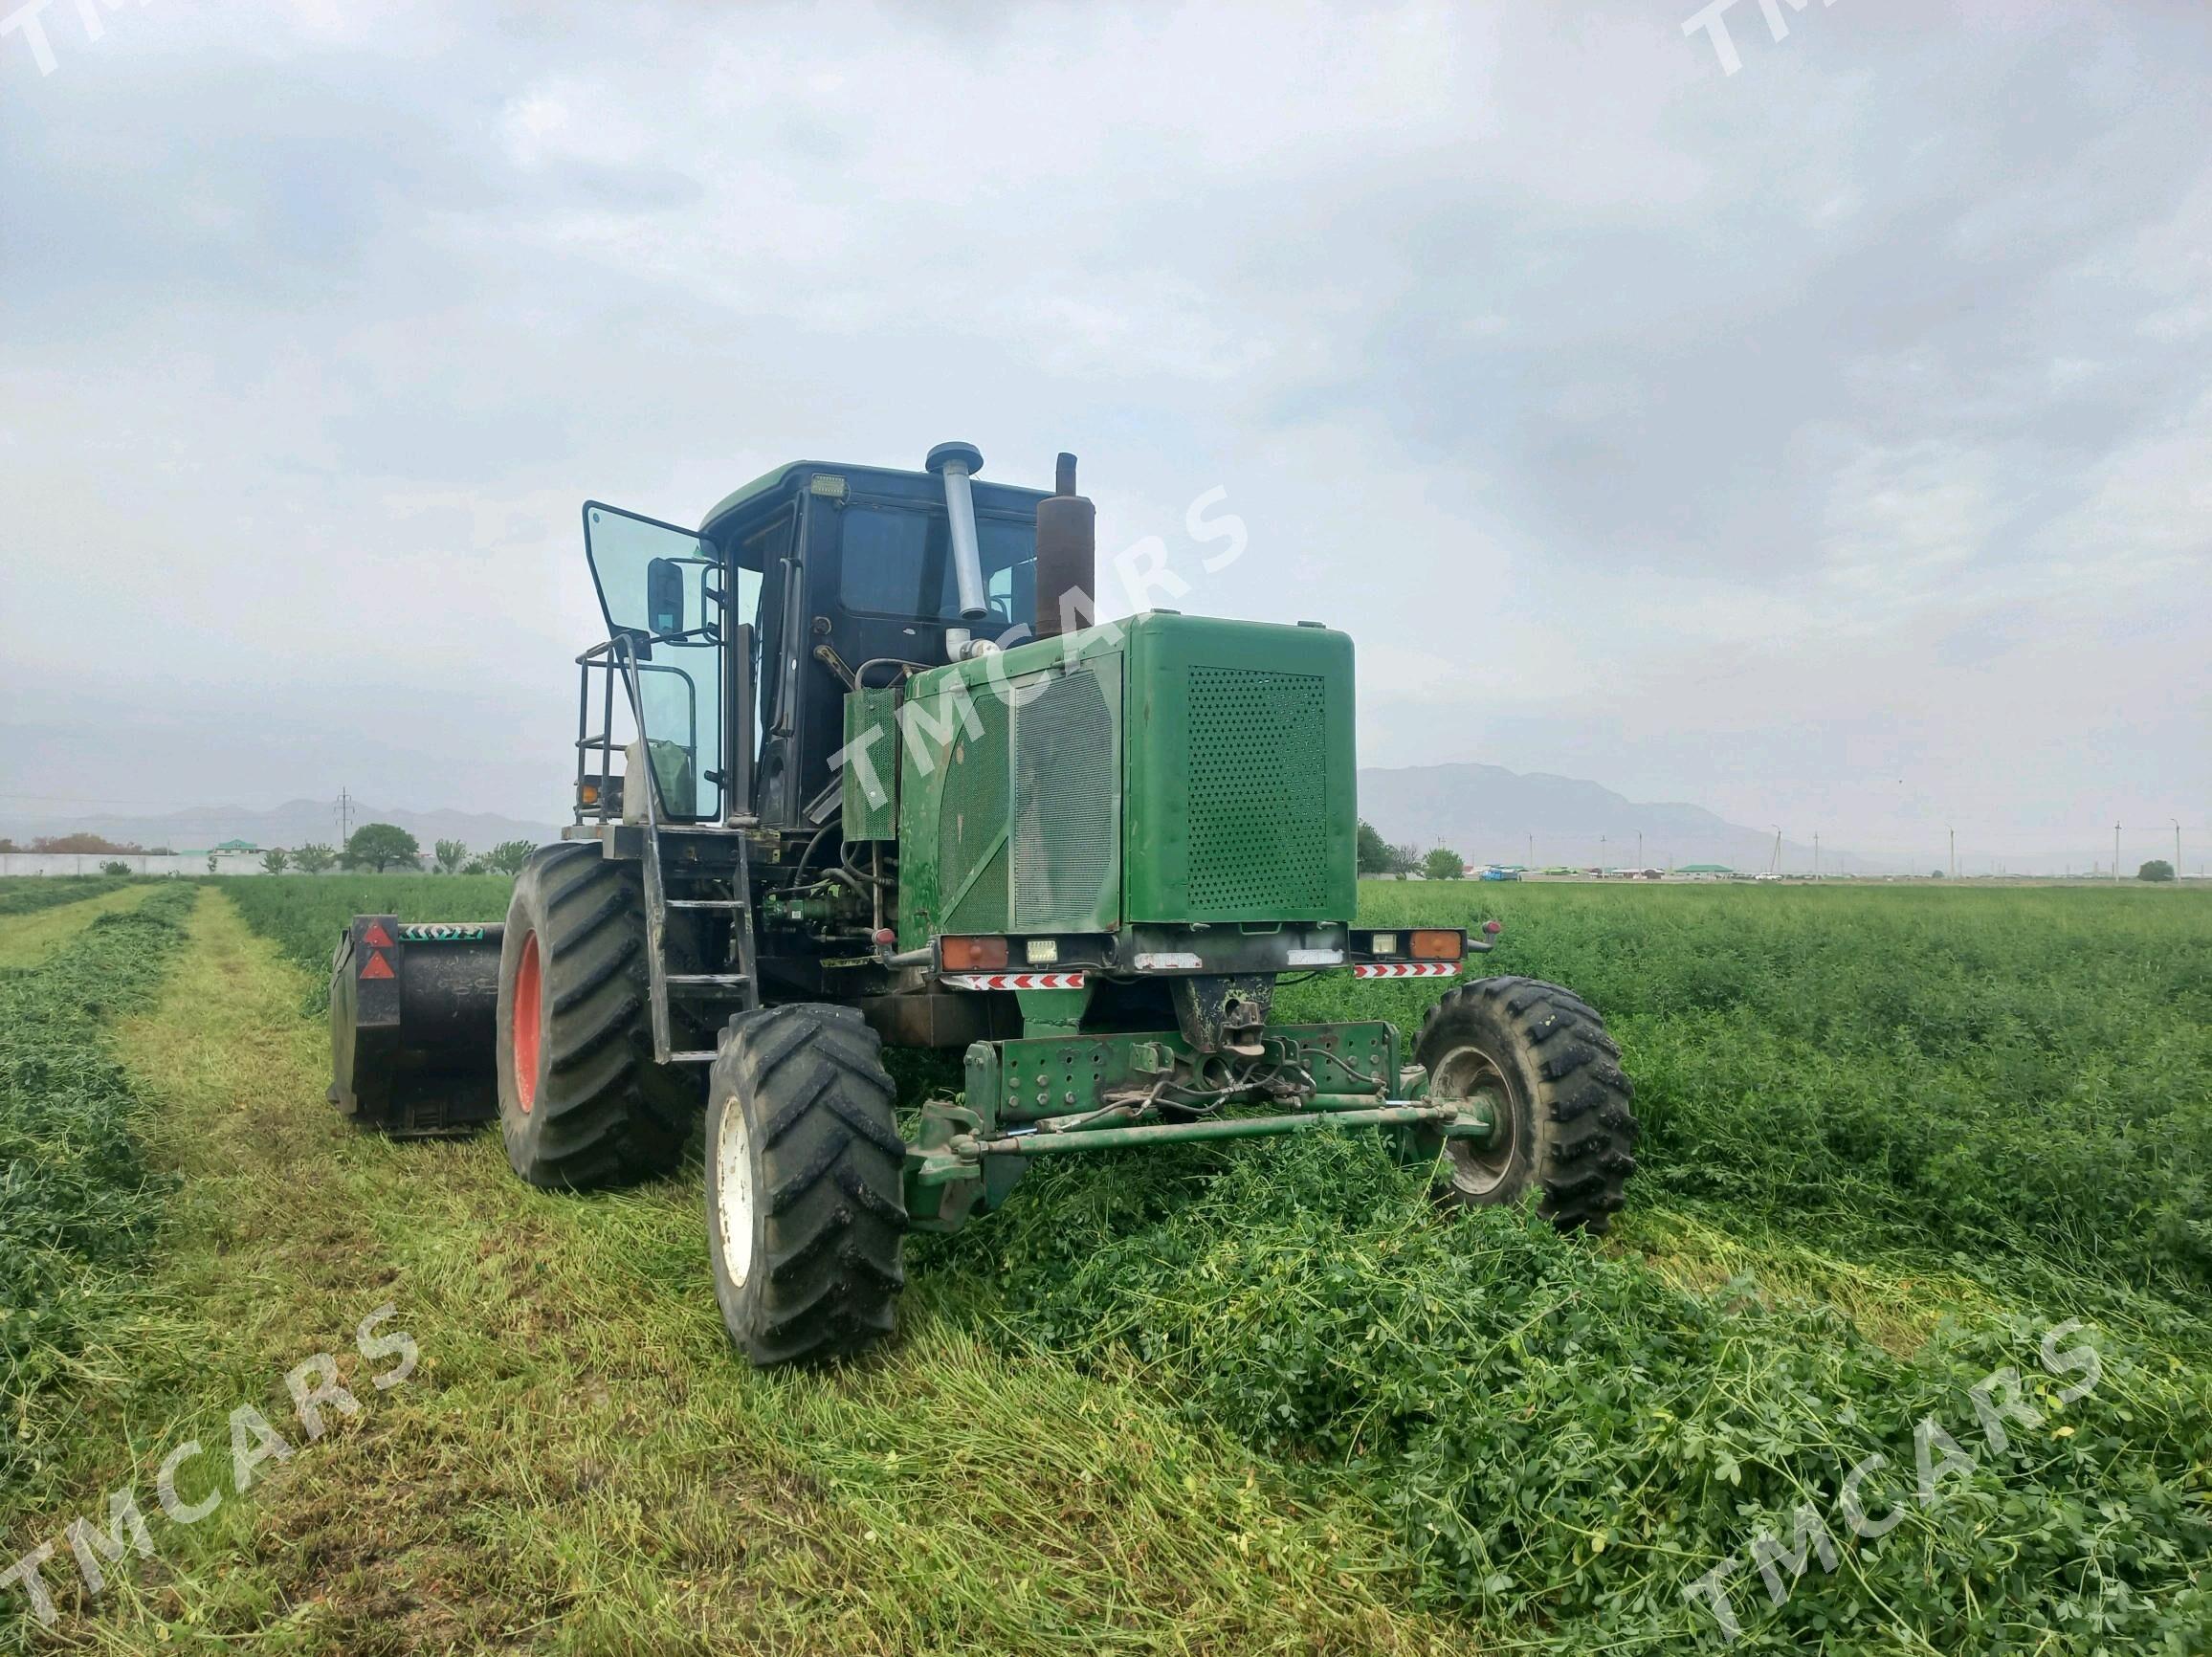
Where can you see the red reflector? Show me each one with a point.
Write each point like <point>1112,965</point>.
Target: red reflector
<point>377,967</point>
<point>972,954</point>
<point>1435,946</point>
<point>1494,927</point>
<point>376,936</point>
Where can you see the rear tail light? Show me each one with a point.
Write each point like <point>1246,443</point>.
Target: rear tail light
<point>1436,945</point>
<point>971,954</point>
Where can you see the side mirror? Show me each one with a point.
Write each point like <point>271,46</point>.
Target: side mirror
<point>664,596</point>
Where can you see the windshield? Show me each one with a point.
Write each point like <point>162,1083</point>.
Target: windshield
<point>897,561</point>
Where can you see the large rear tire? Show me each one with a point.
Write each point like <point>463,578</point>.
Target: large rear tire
<point>582,1103</point>
<point>1542,1055</point>
<point>806,1200</point>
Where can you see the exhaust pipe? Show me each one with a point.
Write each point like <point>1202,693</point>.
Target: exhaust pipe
<point>1066,554</point>
<point>955,463</point>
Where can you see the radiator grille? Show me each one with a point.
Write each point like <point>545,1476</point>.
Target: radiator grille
<point>1259,817</point>
<point>972,830</point>
<point>1067,807</point>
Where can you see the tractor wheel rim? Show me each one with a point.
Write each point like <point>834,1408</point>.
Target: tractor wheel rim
<point>734,1191</point>
<point>524,1023</point>
<point>1466,1074</point>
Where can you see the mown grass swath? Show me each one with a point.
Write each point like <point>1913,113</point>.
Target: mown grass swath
<point>26,893</point>
<point>1567,1440</point>
<point>77,1204</point>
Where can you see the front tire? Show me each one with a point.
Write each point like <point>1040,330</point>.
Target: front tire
<point>1542,1055</point>
<point>806,1196</point>
<point>582,1103</point>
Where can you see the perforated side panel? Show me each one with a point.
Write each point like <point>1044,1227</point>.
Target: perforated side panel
<point>1258,794</point>
<point>973,828</point>
<point>1067,807</point>
<point>984,907</point>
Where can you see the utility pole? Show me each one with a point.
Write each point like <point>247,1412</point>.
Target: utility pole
<point>2116,852</point>
<point>1816,854</point>
<point>2176,822</point>
<point>1774,862</point>
<point>1531,853</point>
<point>1639,849</point>
<point>344,818</point>
<point>1953,834</point>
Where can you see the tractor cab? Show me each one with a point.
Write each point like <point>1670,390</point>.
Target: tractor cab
<point>745,636</point>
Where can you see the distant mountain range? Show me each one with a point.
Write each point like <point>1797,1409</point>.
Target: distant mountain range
<point>1485,813</point>
<point>1489,814</point>
<point>294,823</point>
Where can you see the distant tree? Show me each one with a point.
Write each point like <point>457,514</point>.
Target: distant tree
<point>1443,863</point>
<point>115,866</point>
<point>8,845</point>
<point>211,862</point>
<point>81,843</point>
<point>1374,855</point>
<point>314,857</point>
<point>451,855</point>
<point>276,859</point>
<point>2157,869</point>
<point>509,856</point>
<point>1935,873</point>
<point>476,865</point>
<point>379,846</point>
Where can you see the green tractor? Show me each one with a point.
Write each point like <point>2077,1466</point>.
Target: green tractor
<point>851,773</point>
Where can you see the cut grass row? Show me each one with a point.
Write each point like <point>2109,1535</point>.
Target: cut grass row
<point>29,893</point>
<point>77,1202</point>
<point>28,940</point>
<point>580,1465</point>
<point>1568,1441</point>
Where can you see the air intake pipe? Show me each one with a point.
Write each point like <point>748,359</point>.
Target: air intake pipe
<point>955,463</point>
<point>1066,555</point>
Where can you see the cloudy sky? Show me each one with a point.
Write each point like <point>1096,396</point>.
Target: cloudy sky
<point>1827,443</point>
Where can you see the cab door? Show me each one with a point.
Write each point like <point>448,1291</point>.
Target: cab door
<point>668,604</point>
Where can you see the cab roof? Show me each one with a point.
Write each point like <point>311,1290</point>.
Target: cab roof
<point>794,474</point>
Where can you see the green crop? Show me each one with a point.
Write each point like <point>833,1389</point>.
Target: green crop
<point>1567,1440</point>
<point>1946,1121</point>
<point>77,1201</point>
<point>29,893</point>
<point>1893,1138</point>
<point>2022,1071</point>
<point>304,914</point>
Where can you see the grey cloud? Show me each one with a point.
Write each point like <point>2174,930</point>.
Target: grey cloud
<point>1732,439</point>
